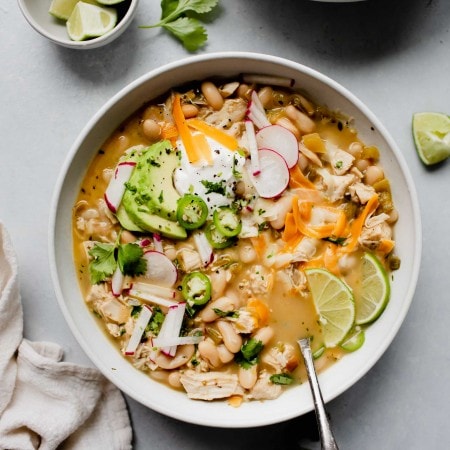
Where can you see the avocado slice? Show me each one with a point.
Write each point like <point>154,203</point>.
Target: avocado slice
<point>125,220</point>
<point>150,199</point>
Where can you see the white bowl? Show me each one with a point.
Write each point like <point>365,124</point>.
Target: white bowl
<point>297,400</point>
<point>37,15</point>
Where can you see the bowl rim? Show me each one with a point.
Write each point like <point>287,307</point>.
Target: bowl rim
<point>305,70</point>
<point>89,43</point>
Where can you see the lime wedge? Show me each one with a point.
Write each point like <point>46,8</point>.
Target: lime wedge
<point>89,21</point>
<point>354,340</point>
<point>62,9</point>
<point>334,303</point>
<point>431,133</point>
<point>109,2</point>
<point>375,290</point>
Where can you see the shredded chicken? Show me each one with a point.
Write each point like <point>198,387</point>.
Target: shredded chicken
<point>374,231</point>
<point>340,160</point>
<point>264,389</point>
<point>335,186</point>
<point>233,110</point>
<point>210,385</point>
<point>281,357</point>
<point>361,192</point>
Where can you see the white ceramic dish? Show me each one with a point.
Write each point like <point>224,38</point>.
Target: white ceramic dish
<point>296,401</point>
<point>37,15</point>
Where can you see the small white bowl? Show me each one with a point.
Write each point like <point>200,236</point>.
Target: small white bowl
<point>297,400</point>
<point>37,15</point>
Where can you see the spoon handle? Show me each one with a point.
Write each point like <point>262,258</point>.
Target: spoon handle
<point>326,435</point>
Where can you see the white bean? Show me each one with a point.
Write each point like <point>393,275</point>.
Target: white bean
<point>151,129</point>
<point>373,174</point>
<point>218,282</point>
<point>224,354</point>
<point>362,164</point>
<point>182,356</point>
<point>189,110</point>
<point>304,124</point>
<point>264,334</point>
<point>231,339</point>
<point>207,314</point>
<point>355,149</point>
<point>208,352</point>
<point>174,379</point>
<point>212,95</point>
<point>248,377</point>
<point>280,208</point>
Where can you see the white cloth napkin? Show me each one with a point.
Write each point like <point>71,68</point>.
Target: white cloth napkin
<point>46,403</point>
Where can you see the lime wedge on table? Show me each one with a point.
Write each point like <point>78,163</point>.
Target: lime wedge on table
<point>431,133</point>
<point>375,290</point>
<point>334,303</point>
<point>88,21</point>
<point>62,9</point>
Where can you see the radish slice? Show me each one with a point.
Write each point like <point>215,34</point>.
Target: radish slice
<point>116,187</point>
<point>174,341</point>
<point>117,282</point>
<point>281,140</point>
<point>252,147</point>
<point>139,328</point>
<point>144,242</point>
<point>147,297</point>
<point>157,243</point>
<point>158,291</point>
<point>171,327</point>
<point>256,112</point>
<point>160,269</point>
<point>274,176</point>
<point>203,247</point>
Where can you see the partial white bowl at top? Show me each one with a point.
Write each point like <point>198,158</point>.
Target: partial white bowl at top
<point>297,400</point>
<point>37,15</point>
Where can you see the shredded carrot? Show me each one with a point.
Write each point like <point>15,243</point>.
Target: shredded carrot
<point>235,401</point>
<point>298,180</point>
<point>169,131</point>
<point>259,310</point>
<point>290,228</point>
<point>314,142</point>
<point>358,223</point>
<point>202,147</point>
<point>183,130</point>
<point>214,133</point>
<point>259,244</point>
<point>386,246</point>
<point>341,224</point>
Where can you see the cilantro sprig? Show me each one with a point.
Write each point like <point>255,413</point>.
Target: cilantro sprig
<point>248,355</point>
<point>106,258</point>
<point>176,19</point>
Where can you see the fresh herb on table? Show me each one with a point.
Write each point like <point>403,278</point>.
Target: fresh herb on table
<point>176,19</point>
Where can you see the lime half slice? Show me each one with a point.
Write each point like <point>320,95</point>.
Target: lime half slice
<point>375,290</point>
<point>89,21</point>
<point>109,2</point>
<point>62,9</point>
<point>334,303</point>
<point>431,133</point>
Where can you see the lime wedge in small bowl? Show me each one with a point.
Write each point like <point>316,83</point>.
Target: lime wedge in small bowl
<point>89,21</point>
<point>431,133</point>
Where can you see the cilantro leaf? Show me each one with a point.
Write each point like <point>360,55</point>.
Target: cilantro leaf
<point>130,261</point>
<point>281,378</point>
<point>248,355</point>
<point>189,30</point>
<point>103,263</point>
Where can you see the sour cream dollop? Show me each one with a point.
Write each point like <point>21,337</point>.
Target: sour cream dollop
<point>214,182</point>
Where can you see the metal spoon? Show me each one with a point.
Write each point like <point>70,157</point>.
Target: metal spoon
<point>326,435</point>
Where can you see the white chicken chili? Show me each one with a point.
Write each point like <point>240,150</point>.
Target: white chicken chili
<point>221,223</point>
